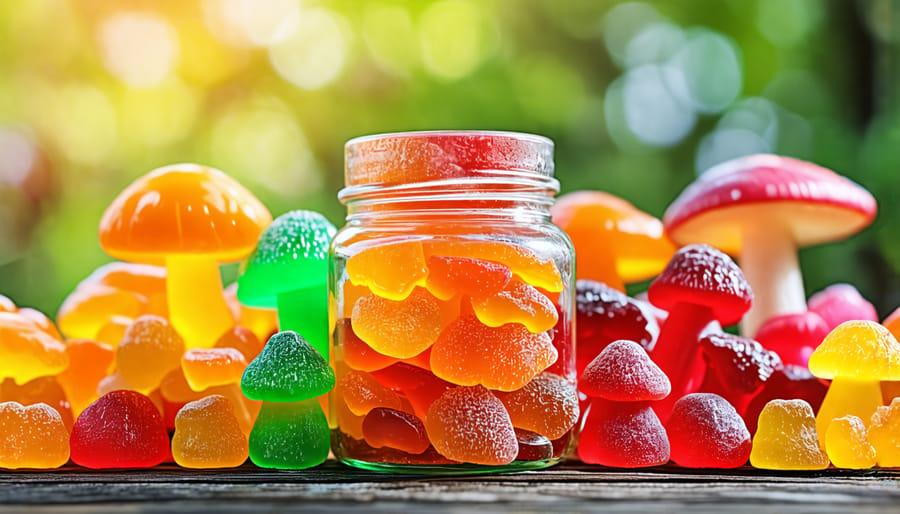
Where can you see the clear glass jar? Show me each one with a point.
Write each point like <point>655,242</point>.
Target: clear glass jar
<point>452,306</point>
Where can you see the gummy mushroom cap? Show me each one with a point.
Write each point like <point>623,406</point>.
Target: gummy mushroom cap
<point>183,209</point>
<point>636,240</point>
<point>862,350</point>
<point>702,275</point>
<point>814,204</point>
<point>624,372</point>
<point>292,253</point>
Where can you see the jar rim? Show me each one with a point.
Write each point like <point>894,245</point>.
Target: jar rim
<point>402,158</point>
<point>523,136</point>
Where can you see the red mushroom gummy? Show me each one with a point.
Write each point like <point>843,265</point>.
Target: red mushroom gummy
<point>701,285</point>
<point>737,368</point>
<point>761,208</point>
<point>621,429</point>
<point>605,315</point>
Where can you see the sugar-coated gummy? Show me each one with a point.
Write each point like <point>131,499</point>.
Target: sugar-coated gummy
<point>847,444</point>
<point>208,435</point>
<point>288,369</point>
<point>786,438</point>
<point>623,435</point>
<point>290,435</point>
<point>624,372</point>
<point>705,431</point>
<point>469,424</point>
<point>121,429</point>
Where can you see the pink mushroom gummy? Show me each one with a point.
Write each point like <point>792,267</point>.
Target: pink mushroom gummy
<point>761,208</point>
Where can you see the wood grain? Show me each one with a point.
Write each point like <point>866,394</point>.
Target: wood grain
<point>571,487</point>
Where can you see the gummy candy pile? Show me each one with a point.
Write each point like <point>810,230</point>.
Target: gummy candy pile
<point>455,350</point>
<point>447,352</point>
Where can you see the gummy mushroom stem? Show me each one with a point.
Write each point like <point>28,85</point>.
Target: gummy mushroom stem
<point>677,352</point>
<point>197,305</point>
<point>298,311</point>
<point>863,395</point>
<point>769,262</point>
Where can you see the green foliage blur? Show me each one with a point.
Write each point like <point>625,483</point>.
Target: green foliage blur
<point>638,96</point>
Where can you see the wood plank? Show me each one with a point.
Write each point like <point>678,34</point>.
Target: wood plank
<point>332,487</point>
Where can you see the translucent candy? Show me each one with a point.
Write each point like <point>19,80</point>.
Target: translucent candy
<point>469,424</point>
<point>789,382</point>
<point>350,423</point>
<point>533,446</point>
<point>362,393</point>
<point>623,372</point>
<point>856,356</point>
<point>838,303</point>
<point>241,339</point>
<point>390,271</point>
<point>400,329</point>
<point>207,435</point>
<point>506,358</point>
<point>41,320</point>
<point>84,312</point>
<point>518,302</point>
<point>884,434</point>
<point>205,368</point>
<point>737,367</point>
<point>547,405</point>
<point>383,427</point>
<point>290,435</point>
<point>287,370</point>
<point>417,385</point>
<point>122,429</point>
<point>261,322</point>
<point>706,432</point>
<point>605,315</point>
<point>449,276</point>
<point>89,363</point>
<point>522,261</point>
<point>357,354</point>
<point>150,349</point>
<point>623,435</point>
<point>847,444</point>
<point>44,390</point>
<point>786,438</point>
<point>32,437</point>
<point>351,294</point>
<point>113,331</point>
<point>26,352</point>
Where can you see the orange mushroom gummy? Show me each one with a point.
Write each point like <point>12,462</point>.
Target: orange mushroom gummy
<point>615,242</point>
<point>856,356</point>
<point>189,218</point>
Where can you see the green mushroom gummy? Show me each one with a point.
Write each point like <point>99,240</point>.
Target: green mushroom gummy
<point>288,369</point>
<point>288,271</point>
<point>291,435</point>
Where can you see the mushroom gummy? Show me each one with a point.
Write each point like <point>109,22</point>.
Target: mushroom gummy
<point>452,298</point>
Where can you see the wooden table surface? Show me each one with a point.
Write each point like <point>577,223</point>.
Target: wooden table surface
<point>571,487</point>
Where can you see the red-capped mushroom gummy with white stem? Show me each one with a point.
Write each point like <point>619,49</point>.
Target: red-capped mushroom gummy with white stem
<point>761,209</point>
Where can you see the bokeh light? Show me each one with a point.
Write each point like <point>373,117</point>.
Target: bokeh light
<point>250,22</point>
<point>653,110</point>
<point>260,143</point>
<point>456,38</point>
<point>138,48</point>
<point>313,55</point>
<point>390,36</point>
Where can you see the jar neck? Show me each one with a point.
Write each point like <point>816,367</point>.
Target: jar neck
<point>521,199</point>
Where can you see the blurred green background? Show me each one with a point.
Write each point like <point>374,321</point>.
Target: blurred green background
<point>638,96</point>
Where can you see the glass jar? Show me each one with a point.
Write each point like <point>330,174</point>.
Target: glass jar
<point>451,300</point>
